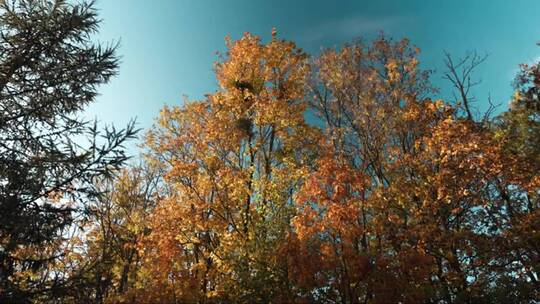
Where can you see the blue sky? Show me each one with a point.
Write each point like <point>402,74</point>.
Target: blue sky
<point>168,46</point>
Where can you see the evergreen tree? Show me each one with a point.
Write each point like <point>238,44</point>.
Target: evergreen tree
<point>50,70</point>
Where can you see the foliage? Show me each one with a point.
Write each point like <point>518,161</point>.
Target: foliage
<point>395,198</point>
<point>331,179</point>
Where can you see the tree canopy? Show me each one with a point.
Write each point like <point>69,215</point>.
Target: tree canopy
<point>337,178</point>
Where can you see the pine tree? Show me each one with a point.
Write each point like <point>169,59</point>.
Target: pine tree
<point>50,70</point>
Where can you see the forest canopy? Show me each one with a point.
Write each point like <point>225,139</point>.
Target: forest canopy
<point>336,178</point>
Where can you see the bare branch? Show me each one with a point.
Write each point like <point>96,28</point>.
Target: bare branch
<point>460,76</point>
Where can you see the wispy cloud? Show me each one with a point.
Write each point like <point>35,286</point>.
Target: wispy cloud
<point>352,27</point>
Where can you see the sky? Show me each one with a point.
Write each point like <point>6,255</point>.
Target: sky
<point>168,47</point>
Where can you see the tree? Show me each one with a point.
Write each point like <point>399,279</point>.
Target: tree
<point>517,132</point>
<point>50,70</point>
<point>233,160</point>
<point>372,99</point>
<point>410,198</point>
<point>117,224</point>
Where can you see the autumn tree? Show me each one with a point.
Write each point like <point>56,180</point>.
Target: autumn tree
<point>517,131</point>
<point>50,70</point>
<point>116,222</point>
<point>423,196</point>
<point>372,100</point>
<point>234,160</point>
